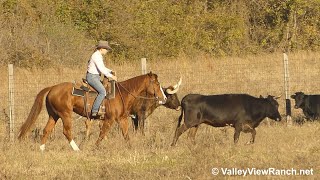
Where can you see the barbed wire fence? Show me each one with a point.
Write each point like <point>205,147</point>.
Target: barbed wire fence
<point>209,77</point>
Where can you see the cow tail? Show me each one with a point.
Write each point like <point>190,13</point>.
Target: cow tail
<point>180,117</point>
<point>34,113</point>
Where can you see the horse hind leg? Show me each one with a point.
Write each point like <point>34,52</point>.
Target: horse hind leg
<point>47,130</point>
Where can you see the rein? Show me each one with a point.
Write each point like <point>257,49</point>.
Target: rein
<point>124,108</point>
<point>141,97</point>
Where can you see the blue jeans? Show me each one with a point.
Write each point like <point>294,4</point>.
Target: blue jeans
<point>94,81</point>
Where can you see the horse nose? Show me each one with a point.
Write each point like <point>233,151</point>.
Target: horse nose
<point>164,97</point>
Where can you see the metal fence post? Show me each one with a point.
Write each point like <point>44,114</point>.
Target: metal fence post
<point>11,102</point>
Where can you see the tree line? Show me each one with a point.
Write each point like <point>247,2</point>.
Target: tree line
<point>58,32</point>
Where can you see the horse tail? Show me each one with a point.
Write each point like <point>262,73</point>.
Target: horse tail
<point>34,113</point>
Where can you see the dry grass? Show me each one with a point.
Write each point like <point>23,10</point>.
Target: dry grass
<point>150,156</point>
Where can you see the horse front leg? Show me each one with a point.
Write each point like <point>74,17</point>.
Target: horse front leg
<point>67,130</point>
<point>107,123</point>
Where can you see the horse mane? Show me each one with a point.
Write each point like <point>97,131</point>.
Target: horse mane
<point>132,82</point>
<point>143,76</point>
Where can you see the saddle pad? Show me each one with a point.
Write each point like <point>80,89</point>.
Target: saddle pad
<point>78,92</point>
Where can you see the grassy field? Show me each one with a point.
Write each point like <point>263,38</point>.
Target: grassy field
<point>150,157</point>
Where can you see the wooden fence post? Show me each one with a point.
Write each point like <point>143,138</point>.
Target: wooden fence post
<point>144,71</point>
<point>144,65</point>
<point>286,87</point>
<point>11,102</point>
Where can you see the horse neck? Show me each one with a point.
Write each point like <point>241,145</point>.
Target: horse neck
<point>134,86</point>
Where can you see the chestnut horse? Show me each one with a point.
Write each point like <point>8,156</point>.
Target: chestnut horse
<point>60,103</point>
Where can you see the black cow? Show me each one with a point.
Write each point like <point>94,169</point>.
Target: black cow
<point>241,111</point>
<point>310,104</point>
<point>142,108</point>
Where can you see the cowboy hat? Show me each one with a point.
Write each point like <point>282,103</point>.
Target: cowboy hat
<point>104,45</point>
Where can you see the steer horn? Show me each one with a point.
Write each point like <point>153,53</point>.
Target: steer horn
<point>278,96</point>
<point>175,88</point>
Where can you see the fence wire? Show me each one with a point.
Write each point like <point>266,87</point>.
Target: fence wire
<point>259,77</point>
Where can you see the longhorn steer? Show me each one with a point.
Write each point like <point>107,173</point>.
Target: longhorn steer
<point>143,108</point>
<point>241,111</point>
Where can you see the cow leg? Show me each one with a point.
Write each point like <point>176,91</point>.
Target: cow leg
<point>141,124</point>
<point>135,123</point>
<point>124,128</point>
<point>236,135</point>
<point>253,133</point>
<point>246,128</point>
<point>107,123</point>
<point>178,132</point>
<point>140,121</point>
<point>192,134</point>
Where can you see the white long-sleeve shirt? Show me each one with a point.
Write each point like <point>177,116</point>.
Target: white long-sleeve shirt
<point>96,65</point>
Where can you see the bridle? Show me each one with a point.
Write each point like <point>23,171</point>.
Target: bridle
<point>140,97</point>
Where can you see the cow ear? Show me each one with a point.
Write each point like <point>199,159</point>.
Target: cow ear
<point>271,97</point>
<point>293,96</point>
<point>300,93</point>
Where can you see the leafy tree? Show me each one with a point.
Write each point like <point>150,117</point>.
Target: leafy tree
<point>42,33</point>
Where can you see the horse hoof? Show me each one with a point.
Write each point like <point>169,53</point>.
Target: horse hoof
<point>249,143</point>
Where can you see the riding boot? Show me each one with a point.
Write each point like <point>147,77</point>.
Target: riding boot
<point>94,115</point>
